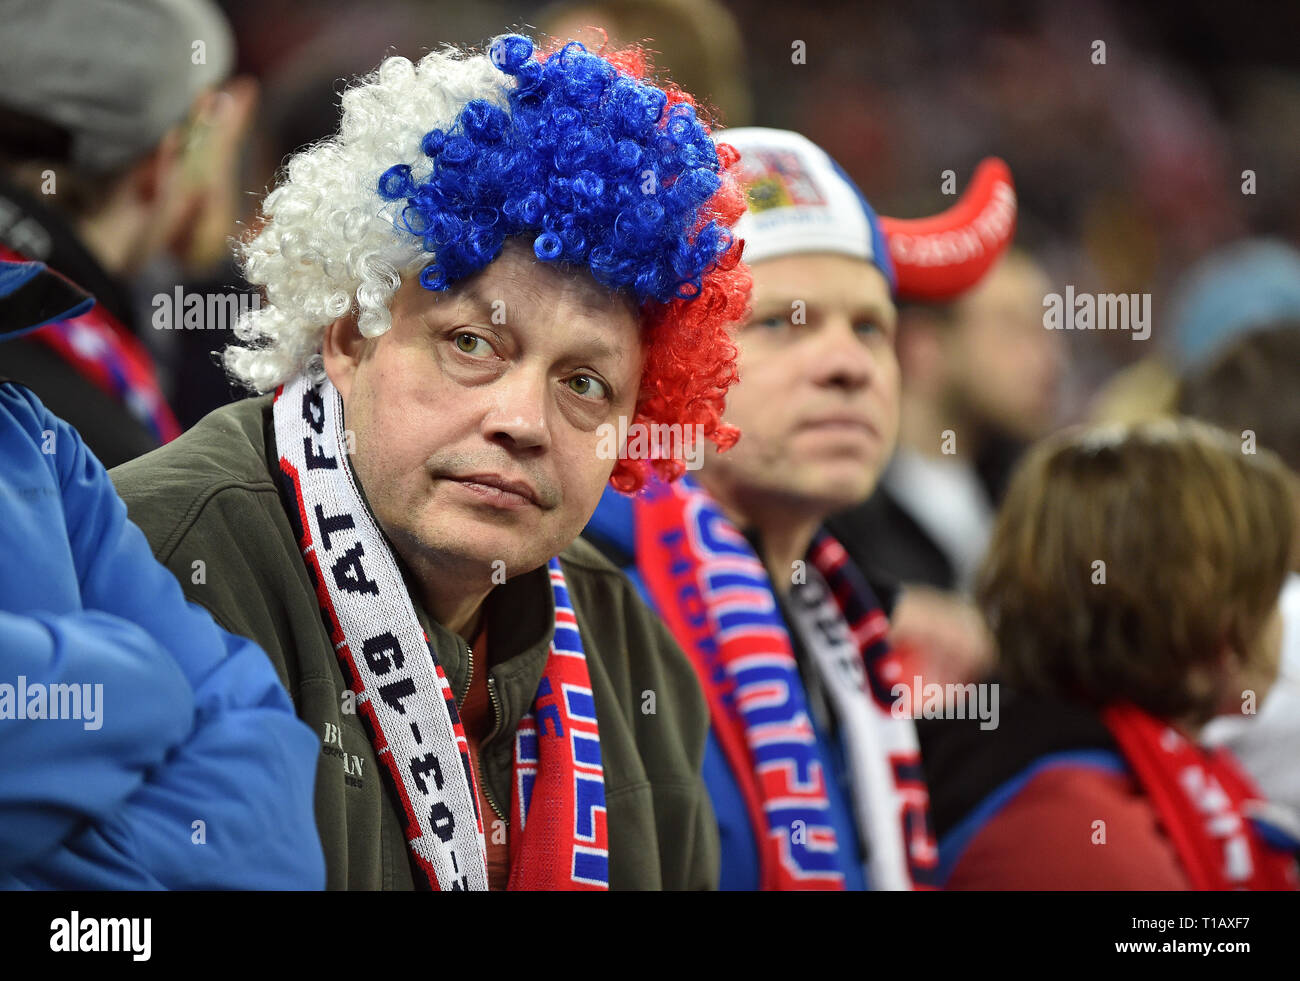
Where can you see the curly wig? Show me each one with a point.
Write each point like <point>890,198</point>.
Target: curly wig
<point>436,164</point>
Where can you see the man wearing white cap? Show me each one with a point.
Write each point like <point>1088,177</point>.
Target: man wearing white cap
<point>816,784</point>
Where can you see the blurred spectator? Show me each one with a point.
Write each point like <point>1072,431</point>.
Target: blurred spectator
<point>698,41</point>
<point>1234,289</point>
<point>980,380</point>
<point>1143,391</point>
<point>1251,389</point>
<point>1242,286</point>
<point>98,102</point>
<point>1132,586</point>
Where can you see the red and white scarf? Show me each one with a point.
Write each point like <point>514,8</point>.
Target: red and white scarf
<point>560,838</point>
<point>1205,803</point>
<point>716,597</point>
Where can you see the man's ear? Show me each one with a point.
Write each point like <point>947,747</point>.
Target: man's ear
<point>341,349</point>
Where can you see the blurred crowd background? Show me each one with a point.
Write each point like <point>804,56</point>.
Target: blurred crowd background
<point>1129,172</point>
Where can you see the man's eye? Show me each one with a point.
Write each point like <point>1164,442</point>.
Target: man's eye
<point>473,345</point>
<point>773,322</point>
<point>867,328</point>
<point>587,387</point>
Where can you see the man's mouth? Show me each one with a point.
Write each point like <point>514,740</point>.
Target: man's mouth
<point>840,422</point>
<point>498,491</point>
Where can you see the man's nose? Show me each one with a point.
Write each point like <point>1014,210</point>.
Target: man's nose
<point>840,358</point>
<point>518,410</point>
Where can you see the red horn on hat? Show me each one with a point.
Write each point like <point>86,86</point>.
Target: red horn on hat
<point>940,257</point>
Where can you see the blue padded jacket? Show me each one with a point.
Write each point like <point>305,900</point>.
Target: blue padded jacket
<point>144,746</point>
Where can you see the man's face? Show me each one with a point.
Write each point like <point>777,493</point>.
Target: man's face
<point>1005,368</point>
<point>476,414</point>
<point>817,401</point>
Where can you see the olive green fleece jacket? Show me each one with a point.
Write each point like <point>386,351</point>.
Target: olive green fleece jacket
<point>211,510</point>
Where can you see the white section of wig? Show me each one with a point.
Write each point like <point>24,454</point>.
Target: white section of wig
<point>328,246</point>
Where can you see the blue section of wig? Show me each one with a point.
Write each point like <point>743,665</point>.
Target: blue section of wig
<point>589,161</point>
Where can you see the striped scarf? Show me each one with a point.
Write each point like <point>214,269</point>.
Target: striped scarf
<point>402,694</point>
<point>718,601</point>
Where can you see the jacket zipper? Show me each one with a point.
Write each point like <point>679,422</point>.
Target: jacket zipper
<point>496,724</point>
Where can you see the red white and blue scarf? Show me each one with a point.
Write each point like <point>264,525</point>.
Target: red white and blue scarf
<point>717,599</point>
<point>560,838</point>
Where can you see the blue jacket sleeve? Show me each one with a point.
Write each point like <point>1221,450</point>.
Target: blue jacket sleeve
<point>78,770</point>
<point>205,818</point>
<point>235,806</point>
<point>232,806</point>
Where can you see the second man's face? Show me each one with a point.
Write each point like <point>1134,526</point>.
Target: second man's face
<point>817,401</point>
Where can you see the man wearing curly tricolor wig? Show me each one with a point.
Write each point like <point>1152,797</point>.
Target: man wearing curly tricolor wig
<point>498,257</point>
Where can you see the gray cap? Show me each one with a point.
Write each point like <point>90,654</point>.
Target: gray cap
<point>116,74</point>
